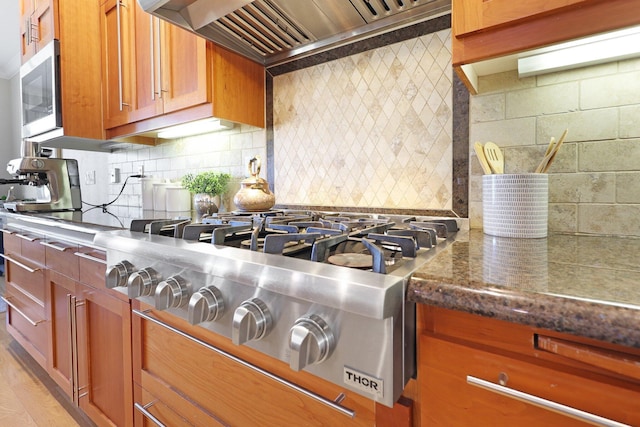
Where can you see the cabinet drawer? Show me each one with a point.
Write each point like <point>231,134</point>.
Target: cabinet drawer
<point>30,308</point>
<point>444,368</point>
<point>233,393</point>
<point>169,408</point>
<point>27,277</point>
<point>12,243</point>
<point>36,335</point>
<point>502,336</point>
<point>31,248</point>
<point>26,323</point>
<point>93,266</point>
<point>60,257</point>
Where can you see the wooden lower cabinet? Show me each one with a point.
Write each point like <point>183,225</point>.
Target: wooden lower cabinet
<point>104,358</point>
<point>469,366</point>
<point>25,293</point>
<point>206,388</point>
<point>89,341</point>
<point>26,322</point>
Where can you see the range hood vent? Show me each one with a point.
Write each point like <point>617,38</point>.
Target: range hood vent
<point>273,32</point>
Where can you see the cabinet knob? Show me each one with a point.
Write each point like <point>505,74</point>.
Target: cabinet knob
<point>251,321</point>
<point>205,305</point>
<point>118,274</point>
<point>311,341</point>
<point>142,282</point>
<point>172,293</point>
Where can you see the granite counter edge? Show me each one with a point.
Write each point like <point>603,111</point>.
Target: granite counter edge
<point>604,322</point>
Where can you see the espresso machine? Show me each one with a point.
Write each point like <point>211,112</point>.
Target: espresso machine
<point>57,181</point>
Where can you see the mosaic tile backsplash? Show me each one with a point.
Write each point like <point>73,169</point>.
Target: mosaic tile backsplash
<point>369,130</point>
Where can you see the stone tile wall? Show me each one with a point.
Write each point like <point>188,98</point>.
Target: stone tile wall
<point>594,184</point>
<point>370,130</point>
<point>227,151</point>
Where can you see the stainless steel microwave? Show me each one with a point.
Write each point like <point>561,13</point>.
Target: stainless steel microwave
<point>40,92</point>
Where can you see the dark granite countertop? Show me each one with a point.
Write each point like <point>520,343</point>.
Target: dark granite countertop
<point>581,285</point>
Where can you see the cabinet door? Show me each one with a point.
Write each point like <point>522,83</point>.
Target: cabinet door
<point>475,15</point>
<point>449,399</point>
<point>27,44</point>
<point>44,21</point>
<point>117,19</point>
<point>148,101</point>
<point>104,358</point>
<point>37,25</point>
<point>61,298</point>
<point>184,68</point>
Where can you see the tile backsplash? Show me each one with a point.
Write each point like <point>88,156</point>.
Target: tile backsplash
<point>370,130</point>
<point>374,130</point>
<point>227,151</point>
<point>594,184</point>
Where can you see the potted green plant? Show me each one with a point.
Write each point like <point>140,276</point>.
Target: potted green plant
<point>205,187</point>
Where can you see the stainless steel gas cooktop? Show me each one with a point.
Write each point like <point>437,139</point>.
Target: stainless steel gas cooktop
<point>324,292</point>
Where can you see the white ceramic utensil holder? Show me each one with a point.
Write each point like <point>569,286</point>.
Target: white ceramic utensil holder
<point>515,205</point>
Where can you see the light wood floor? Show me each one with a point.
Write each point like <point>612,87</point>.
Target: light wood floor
<point>28,397</point>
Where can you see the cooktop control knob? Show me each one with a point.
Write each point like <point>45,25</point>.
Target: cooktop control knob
<point>251,321</point>
<point>118,274</point>
<point>172,293</point>
<point>205,305</point>
<point>143,282</point>
<point>311,341</point>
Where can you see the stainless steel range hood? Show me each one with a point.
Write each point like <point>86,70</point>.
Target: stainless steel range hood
<point>272,32</point>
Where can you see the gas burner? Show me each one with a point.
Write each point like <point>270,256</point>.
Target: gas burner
<point>365,241</point>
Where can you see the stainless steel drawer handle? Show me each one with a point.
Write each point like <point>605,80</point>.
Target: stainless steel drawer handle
<point>5,231</point>
<point>56,247</point>
<point>330,403</point>
<point>147,414</point>
<point>544,403</point>
<point>20,312</point>
<point>30,239</point>
<point>90,258</point>
<point>19,264</point>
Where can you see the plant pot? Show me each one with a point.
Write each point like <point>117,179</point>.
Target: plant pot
<point>205,204</point>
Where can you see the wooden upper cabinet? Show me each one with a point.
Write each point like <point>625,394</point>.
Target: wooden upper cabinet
<point>73,23</point>
<point>184,77</point>
<point>38,25</point>
<point>477,15</point>
<point>176,77</point>
<point>170,68</point>
<point>487,29</point>
<point>116,25</point>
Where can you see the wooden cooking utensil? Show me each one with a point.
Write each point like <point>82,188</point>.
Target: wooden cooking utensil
<point>550,146</point>
<point>555,152</point>
<point>494,156</point>
<point>551,154</point>
<point>482,159</point>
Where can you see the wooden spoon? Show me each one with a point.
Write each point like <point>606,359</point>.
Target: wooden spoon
<point>482,159</point>
<point>550,154</point>
<point>555,151</point>
<point>495,158</point>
